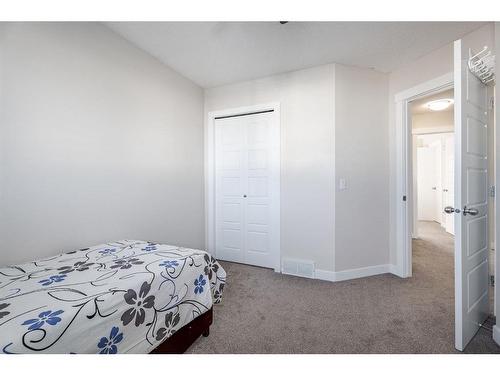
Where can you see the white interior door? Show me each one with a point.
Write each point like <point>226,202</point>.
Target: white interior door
<point>449,181</point>
<point>471,200</point>
<point>247,189</point>
<point>427,183</point>
<point>438,186</point>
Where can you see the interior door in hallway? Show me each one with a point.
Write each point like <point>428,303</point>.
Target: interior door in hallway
<point>427,175</point>
<point>247,189</point>
<point>471,199</point>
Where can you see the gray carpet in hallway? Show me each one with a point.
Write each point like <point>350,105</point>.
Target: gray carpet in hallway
<point>267,312</point>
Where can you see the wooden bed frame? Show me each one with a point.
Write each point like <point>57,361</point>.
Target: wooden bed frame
<point>181,340</point>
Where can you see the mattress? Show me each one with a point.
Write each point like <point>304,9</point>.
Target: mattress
<point>121,297</point>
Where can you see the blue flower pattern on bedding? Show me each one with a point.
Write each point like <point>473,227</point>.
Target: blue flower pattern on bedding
<point>133,294</point>
<point>52,279</point>
<point>169,263</point>
<point>48,317</point>
<point>108,345</point>
<point>107,251</point>
<point>150,247</point>
<point>199,283</point>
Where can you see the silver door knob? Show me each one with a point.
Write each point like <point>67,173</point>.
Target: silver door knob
<point>470,211</point>
<point>451,210</point>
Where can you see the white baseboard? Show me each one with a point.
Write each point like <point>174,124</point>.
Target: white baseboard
<point>355,273</point>
<point>496,334</point>
<point>324,275</point>
<point>394,270</point>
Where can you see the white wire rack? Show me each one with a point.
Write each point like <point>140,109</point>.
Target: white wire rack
<point>482,65</point>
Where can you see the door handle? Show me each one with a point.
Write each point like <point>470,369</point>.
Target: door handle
<point>434,188</point>
<point>244,195</point>
<point>451,210</point>
<point>470,211</point>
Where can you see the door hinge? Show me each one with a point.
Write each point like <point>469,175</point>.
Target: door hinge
<point>492,102</point>
<point>404,198</point>
<point>492,280</point>
<point>492,191</point>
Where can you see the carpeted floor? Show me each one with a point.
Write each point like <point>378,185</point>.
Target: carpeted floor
<point>267,312</point>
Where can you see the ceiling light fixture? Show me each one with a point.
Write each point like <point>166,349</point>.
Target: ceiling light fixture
<point>439,105</point>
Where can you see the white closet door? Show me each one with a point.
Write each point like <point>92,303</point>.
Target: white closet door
<point>247,195</point>
<point>230,184</point>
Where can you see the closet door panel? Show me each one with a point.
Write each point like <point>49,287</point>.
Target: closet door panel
<point>258,219</point>
<point>229,187</point>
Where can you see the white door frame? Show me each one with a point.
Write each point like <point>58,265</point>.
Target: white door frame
<point>210,229</point>
<point>496,212</point>
<point>404,176</point>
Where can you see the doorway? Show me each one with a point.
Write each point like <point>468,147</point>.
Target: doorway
<point>406,215</point>
<point>432,128</point>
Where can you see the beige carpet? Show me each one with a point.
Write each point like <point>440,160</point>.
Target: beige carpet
<point>266,312</point>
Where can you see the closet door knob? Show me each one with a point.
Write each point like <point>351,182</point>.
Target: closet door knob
<point>244,195</point>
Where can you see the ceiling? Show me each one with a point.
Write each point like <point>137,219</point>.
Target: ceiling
<point>217,53</point>
<point>418,106</point>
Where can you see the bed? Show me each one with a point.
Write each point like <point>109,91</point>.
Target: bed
<point>121,297</point>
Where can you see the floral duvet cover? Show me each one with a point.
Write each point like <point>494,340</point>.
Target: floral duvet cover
<point>121,297</point>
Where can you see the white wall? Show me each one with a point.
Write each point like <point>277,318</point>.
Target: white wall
<point>432,121</point>
<point>324,132</point>
<point>307,154</point>
<point>362,157</point>
<point>99,142</point>
<point>422,70</point>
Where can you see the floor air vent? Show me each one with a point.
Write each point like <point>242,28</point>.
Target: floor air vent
<point>298,267</point>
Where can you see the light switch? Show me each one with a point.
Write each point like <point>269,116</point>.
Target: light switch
<point>342,184</point>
